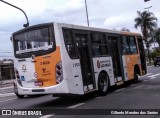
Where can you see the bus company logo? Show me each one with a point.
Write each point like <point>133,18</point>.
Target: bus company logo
<point>24,68</point>
<point>101,64</point>
<point>35,75</point>
<point>98,64</point>
<point>44,70</point>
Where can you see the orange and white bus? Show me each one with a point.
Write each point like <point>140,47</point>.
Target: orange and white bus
<point>58,59</point>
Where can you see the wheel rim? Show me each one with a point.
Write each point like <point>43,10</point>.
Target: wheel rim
<point>104,84</point>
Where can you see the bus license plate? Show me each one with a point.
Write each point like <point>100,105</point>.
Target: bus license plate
<point>38,83</point>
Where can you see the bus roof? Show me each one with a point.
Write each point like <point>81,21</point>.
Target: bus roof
<point>96,29</point>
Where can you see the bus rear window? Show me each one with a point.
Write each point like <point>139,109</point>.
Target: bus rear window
<point>33,40</point>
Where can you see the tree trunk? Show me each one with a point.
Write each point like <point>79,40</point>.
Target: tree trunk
<point>149,57</point>
<point>159,44</point>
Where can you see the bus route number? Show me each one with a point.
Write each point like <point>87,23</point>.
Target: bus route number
<point>44,63</point>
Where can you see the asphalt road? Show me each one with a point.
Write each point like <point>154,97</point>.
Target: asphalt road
<point>143,95</point>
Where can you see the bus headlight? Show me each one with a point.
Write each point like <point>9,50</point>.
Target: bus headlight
<point>59,73</point>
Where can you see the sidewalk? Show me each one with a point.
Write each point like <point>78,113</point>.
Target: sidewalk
<point>6,83</point>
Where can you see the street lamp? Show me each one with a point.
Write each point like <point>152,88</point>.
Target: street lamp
<point>87,12</point>
<point>148,8</point>
<point>25,25</point>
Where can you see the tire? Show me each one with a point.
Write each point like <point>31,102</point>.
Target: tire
<point>155,65</point>
<point>103,84</point>
<point>136,78</point>
<point>17,94</point>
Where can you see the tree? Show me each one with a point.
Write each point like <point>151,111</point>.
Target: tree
<point>157,36</point>
<point>125,29</point>
<point>147,22</point>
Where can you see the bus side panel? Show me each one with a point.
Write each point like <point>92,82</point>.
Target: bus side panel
<point>125,68</point>
<point>103,64</point>
<point>71,67</point>
<point>131,61</point>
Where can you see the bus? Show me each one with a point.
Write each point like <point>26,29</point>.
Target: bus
<point>65,59</point>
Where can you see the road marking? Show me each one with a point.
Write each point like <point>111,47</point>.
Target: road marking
<point>147,74</point>
<point>145,80</point>
<point>6,87</point>
<point>8,94</point>
<point>8,100</point>
<point>120,89</point>
<point>153,78</point>
<point>46,116</point>
<point>154,75</point>
<point>76,105</point>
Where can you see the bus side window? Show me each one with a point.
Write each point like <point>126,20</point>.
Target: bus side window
<point>124,45</point>
<point>99,44</point>
<point>132,45</point>
<point>69,43</point>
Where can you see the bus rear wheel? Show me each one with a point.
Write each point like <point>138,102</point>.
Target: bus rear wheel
<point>136,78</point>
<point>103,84</point>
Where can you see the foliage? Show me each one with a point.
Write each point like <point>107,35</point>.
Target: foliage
<point>147,22</point>
<point>125,29</point>
<point>155,53</point>
<point>157,36</point>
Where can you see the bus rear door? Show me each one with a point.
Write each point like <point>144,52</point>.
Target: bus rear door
<point>114,51</point>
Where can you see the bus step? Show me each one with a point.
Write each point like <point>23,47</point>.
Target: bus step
<point>120,83</point>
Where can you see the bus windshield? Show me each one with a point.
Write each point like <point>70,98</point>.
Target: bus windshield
<point>33,41</point>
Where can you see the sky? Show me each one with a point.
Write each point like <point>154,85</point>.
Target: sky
<point>108,14</point>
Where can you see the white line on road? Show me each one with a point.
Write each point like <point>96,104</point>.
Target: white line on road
<point>120,89</point>
<point>46,116</point>
<point>154,75</point>
<point>8,100</point>
<point>76,105</point>
<point>6,87</point>
<point>153,78</point>
<point>8,94</point>
<point>147,74</point>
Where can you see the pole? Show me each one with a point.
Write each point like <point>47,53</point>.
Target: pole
<point>25,25</point>
<point>87,12</point>
<point>148,8</point>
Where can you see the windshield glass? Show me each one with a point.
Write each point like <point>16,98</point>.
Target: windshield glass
<point>32,41</point>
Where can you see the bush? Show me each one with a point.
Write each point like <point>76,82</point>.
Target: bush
<point>155,53</point>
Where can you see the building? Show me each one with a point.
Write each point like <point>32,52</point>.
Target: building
<point>6,69</point>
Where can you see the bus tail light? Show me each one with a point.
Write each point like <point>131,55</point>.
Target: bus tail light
<point>59,73</point>
<point>18,77</point>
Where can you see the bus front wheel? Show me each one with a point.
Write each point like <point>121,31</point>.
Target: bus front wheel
<point>17,94</point>
<point>20,96</point>
<point>103,84</point>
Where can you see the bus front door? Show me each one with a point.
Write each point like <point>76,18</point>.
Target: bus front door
<point>85,61</point>
<point>116,58</point>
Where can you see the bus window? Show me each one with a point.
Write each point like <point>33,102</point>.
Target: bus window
<point>128,45</point>
<point>132,45</point>
<point>99,44</point>
<point>69,43</point>
<point>124,45</point>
